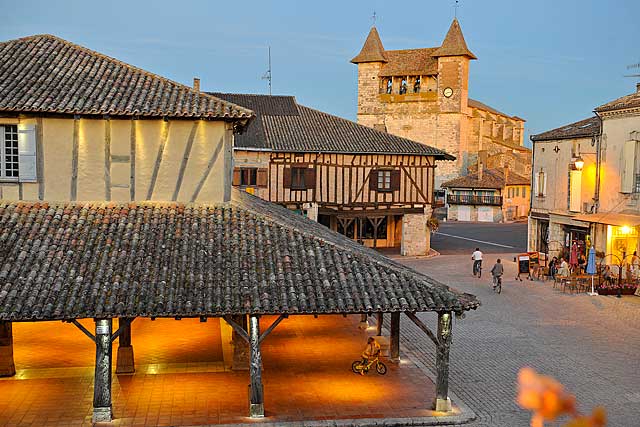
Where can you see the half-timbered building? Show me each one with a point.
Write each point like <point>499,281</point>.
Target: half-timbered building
<point>371,186</point>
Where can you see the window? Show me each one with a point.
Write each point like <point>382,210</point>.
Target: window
<point>389,84</point>
<point>9,159</point>
<point>541,183</point>
<point>416,85</point>
<point>297,178</point>
<point>249,176</point>
<point>517,191</point>
<point>384,180</point>
<point>403,86</point>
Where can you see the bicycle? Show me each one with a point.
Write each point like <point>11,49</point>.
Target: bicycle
<point>497,284</point>
<point>477,268</point>
<point>360,366</point>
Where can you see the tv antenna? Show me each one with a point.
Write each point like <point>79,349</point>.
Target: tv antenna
<point>631,67</point>
<point>267,75</point>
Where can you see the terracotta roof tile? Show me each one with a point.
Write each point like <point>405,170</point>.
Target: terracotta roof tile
<point>247,256</point>
<point>583,129</point>
<point>491,178</point>
<point>284,125</point>
<point>628,101</point>
<point>46,74</point>
<point>454,43</point>
<point>372,50</point>
<point>410,62</point>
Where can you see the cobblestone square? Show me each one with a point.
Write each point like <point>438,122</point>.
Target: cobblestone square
<point>590,344</point>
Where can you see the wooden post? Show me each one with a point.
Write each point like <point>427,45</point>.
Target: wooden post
<point>102,380</point>
<point>379,320</point>
<point>240,346</point>
<point>394,339</point>
<point>256,391</point>
<point>7,367</point>
<point>125,363</point>
<point>364,323</point>
<point>443,403</point>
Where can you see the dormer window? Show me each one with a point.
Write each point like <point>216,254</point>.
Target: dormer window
<point>416,85</point>
<point>389,85</point>
<point>403,87</point>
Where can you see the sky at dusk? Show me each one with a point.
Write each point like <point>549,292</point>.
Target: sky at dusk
<point>548,61</point>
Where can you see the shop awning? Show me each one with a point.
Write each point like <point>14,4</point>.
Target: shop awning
<point>610,219</point>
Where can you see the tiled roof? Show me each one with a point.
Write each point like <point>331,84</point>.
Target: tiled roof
<point>246,256</point>
<point>583,129</point>
<point>473,103</point>
<point>410,62</point>
<point>454,43</point>
<point>45,74</point>
<point>286,126</point>
<point>628,101</point>
<point>372,50</point>
<point>491,178</point>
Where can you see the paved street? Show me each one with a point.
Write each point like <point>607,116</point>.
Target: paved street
<point>464,237</point>
<point>590,344</point>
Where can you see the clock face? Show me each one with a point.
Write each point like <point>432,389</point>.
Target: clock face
<point>447,92</point>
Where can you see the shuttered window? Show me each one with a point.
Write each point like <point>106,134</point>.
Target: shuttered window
<point>384,180</point>
<point>299,178</point>
<point>9,158</point>
<point>250,177</point>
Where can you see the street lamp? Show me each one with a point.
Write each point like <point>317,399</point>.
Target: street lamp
<point>579,163</point>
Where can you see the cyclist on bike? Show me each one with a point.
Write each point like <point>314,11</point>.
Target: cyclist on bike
<point>476,256</point>
<point>371,351</point>
<point>497,271</point>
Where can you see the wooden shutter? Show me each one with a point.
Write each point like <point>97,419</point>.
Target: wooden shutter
<point>286,178</point>
<point>236,176</point>
<point>575,188</point>
<point>310,178</point>
<point>373,179</point>
<point>628,163</point>
<point>395,180</point>
<point>27,153</point>
<point>262,178</point>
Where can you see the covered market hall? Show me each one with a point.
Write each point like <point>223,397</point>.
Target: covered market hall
<point>287,292</point>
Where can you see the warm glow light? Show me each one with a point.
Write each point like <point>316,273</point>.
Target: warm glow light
<point>625,229</point>
<point>579,163</point>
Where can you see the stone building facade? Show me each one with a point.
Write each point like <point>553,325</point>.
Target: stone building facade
<point>587,184</point>
<point>423,95</point>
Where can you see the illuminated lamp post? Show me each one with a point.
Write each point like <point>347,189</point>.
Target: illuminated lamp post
<point>579,163</point>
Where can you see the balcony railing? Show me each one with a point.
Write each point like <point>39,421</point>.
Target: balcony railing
<point>465,199</point>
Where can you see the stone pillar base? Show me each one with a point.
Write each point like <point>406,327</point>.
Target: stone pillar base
<point>102,414</point>
<point>124,362</point>
<point>256,410</point>
<point>364,322</point>
<point>7,367</point>
<point>443,405</point>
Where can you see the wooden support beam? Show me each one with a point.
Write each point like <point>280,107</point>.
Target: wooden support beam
<point>272,327</point>
<point>379,321</point>
<point>423,327</point>
<point>7,366</point>
<point>125,363</point>
<point>394,339</point>
<point>102,411</point>
<point>256,390</point>
<point>443,403</point>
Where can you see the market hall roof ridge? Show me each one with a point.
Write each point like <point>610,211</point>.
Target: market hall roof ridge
<point>247,256</point>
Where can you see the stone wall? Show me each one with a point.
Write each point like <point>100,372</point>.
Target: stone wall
<point>415,235</point>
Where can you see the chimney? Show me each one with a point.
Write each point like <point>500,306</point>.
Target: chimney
<point>480,171</point>
<point>506,174</point>
<point>196,84</point>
